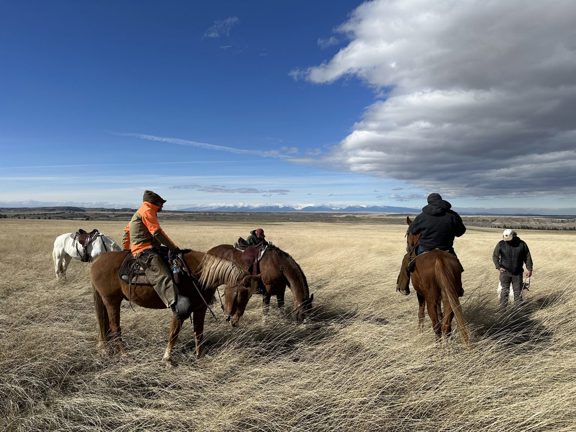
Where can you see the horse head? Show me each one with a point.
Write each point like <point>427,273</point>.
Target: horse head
<point>412,240</point>
<point>304,309</point>
<point>236,297</point>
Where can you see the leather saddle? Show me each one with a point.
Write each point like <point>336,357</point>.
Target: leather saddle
<point>85,238</point>
<point>251,254</point>
<point>132,272</point>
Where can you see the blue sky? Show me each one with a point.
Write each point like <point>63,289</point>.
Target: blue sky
<point>288,102</point>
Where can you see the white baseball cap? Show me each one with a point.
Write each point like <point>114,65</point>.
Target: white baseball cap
<point>508,234</point>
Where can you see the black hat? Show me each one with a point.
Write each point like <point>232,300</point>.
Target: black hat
<point>153,197</point>
<point>433,197</point>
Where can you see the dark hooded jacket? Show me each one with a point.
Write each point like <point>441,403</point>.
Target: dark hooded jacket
<point>437,225</point>
<point>511,255</point>
<point>253,239</point>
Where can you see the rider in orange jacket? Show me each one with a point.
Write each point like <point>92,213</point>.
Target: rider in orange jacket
<point>144,237</point>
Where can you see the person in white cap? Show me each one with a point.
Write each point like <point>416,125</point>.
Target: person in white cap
<point>509,257</point>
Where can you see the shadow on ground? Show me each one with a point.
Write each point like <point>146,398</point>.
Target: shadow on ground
<point>514,326</point>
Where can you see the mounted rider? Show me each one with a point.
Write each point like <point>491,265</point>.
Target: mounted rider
<point>437,225</point>
<point>148,242</point>
<point>257,238</point>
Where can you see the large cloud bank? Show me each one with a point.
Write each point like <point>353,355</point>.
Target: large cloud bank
<point>476,97</point>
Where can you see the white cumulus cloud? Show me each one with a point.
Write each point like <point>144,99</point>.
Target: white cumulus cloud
<point>474,97</point>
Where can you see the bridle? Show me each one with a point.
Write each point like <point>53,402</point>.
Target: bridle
<point>411,248</point>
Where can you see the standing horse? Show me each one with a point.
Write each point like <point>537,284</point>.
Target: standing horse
<point>277,270</point>
<point>110,290</point>
<point>437,279</point>
<point>82,246</point>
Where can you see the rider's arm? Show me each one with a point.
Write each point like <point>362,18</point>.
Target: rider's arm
<point>126,238</point>
<point>163,238</point>
<point>528,259</point>
<point>496,256</point>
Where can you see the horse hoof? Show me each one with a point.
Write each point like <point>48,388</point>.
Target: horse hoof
<point>125,356</point>
<point>169,363</point>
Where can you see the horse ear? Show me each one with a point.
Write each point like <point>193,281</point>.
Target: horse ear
<point>408,220</point>
<point>311,297</point>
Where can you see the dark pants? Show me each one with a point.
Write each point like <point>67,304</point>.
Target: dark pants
<point>403,281</point>
<point>507,278</point>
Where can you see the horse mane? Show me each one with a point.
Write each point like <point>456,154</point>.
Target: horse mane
<point>215,270</point>
<point>277,250</point>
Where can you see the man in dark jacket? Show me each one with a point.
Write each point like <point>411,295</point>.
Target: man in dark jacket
<point>509,257</point>
<point>257,237</point>
<point>437,225</point>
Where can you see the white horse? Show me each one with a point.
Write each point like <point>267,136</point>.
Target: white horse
<point>82,246</point>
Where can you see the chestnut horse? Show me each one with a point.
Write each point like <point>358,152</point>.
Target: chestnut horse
<point>437,279</point>
<point>110,290</point>
<point>277,269</point>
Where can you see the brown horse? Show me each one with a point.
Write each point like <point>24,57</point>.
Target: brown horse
<point>277,270</point>
<point>437,279</point>
<point>110,290</point>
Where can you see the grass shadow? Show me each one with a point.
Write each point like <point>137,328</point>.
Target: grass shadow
<point>514,326</point>
<point>279,335</point>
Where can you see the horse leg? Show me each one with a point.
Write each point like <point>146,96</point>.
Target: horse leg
<point>198,319</point>
<point>280,297</point>
<point>64,262</point>
<point>175,327</point>
<point>266,304</point>
<point>56,259</point>
<point>103,323</point>
<point>59,261</point>
<point>433,313</point>
<point>447,322</point>
<point>421,310</point>
<point>115,336</point>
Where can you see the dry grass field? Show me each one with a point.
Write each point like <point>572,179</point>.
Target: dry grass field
<point>359,365</point>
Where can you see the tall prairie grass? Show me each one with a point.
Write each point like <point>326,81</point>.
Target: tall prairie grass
<point>360,364</point>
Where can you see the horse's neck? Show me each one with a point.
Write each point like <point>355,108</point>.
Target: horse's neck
<point>193,260</point>
<point>72,246</point>
<point>294,275</point>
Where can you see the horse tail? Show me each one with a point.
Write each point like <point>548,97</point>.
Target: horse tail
<point>447,283</point>
<point>101,315</point>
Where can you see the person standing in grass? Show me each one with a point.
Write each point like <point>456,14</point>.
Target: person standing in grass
<point>509,257</point>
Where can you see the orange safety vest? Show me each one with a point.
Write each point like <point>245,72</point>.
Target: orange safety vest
<point>141,228</point>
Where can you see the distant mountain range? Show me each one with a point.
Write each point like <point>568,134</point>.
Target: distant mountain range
<point>380,209</point>
<point>79,207</point>
<point>317,209</point>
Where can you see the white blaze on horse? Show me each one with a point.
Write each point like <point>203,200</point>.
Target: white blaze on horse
<point>81,245</point>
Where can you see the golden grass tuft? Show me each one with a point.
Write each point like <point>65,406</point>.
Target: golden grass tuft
<point>359,365</point>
